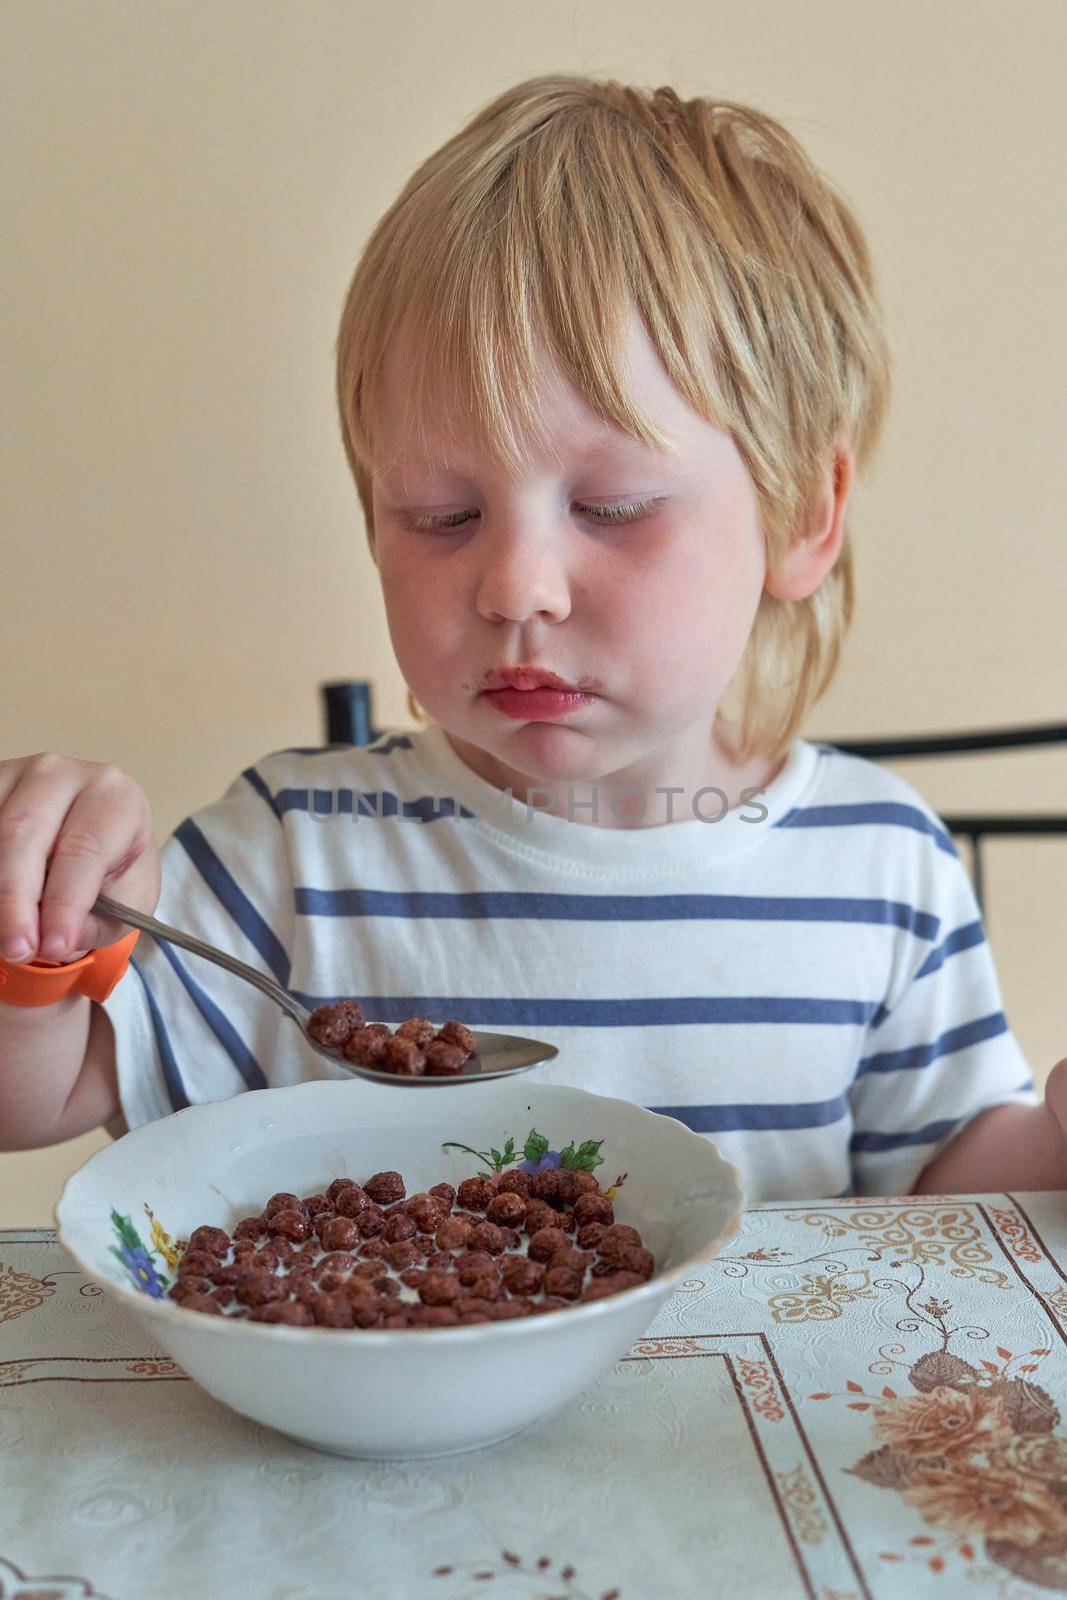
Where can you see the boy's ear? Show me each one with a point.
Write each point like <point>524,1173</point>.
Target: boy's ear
<point>800,570</point>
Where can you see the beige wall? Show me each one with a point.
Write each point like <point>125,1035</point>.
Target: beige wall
<point>189,185</point>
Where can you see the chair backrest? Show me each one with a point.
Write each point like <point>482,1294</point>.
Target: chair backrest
<point>349,715</point>
<point>974,826</point>
<point>349,712</point>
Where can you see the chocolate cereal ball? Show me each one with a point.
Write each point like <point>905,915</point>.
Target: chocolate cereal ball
<point>544,1244</point>
<point>507,1210</point>
<point>293,1312</point>
<point>593,1208</point>
<point>598,1288</point>
<point>291,1225</point>
<point>516,1183</point>
<point>455,1033</point>
<point>616,1241</point>
<point>259,1288</point>
<point>574,1184</point>
<point>402,1255</point>
<point>398,1225</point>
<point>332,1311</point>
<point>444,1060</point>
<point>564,1281</point>
<point>474,1194</point>
<point>201,1302</point>
<point>214,1240</point>
<point>338,1186</point>
<point>439,1289</point>
<point>197,1264</point>
<point>352,1201</point>
<point>402,1057</point>
<point>434,1316</point>
<point>420,1030</point>
<point>365,1045</point>
<point>521,1275</point>
<point>340,1233</point>
<point>370,1221</point>
<point>539,1214</point>
<point>487,1236</point>
<point>453,1234</point>
<point>321,1221</point>
<point>385,1188</point>
<point>333,1025</point>
<point>250,1228</point>
<point>473,1264</point>
<point>427,1211</point>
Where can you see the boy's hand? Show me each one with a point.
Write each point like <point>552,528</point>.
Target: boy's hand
<point>69,829</point>
<point>1056,1094</point>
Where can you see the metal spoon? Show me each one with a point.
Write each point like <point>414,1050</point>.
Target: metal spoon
<point>496,1055</point>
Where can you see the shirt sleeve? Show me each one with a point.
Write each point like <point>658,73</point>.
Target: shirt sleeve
<point>940,1051</point>
<point>185,1029</point>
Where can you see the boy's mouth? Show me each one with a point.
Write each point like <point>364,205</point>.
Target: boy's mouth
<point>531,678</point>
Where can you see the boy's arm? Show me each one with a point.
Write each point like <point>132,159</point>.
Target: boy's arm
<point>57,1072</point>
<point>1006,1147</point>
<point>942,1093</point>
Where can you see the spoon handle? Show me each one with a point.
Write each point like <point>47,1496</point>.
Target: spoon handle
<point>107,907</point>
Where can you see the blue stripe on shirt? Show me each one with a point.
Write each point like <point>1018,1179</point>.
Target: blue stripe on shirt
<point>870,1143</point>
<point>233,899</point>
<point>221,1027</point>
<point>511,904</point>
<point>882,812</point>
<point>866,1142</point>
<point>758,1118</point>
<point>964,938</point>
<point>252,777</point>
<point>921,1055</point>
<point>649,1011</point>
<point>172,1077</point>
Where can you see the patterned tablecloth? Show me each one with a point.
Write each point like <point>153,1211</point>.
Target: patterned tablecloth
<point>858,1398</point>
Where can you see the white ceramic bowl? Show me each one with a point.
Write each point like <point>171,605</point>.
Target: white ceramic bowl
<point>389,1393</point>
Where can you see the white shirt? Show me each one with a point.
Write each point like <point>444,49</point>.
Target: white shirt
<point>811,988</point>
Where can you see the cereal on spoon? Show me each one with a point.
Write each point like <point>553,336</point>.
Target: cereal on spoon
<point>415,1049</point>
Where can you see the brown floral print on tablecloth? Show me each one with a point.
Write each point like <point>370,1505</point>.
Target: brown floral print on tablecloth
<point>946,1236</point>
<point>563,1580</point>
<point>21,1292</point>
<point>975,1451</point>
<point>17,1585</point>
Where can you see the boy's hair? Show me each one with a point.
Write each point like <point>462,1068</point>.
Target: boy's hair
<point>569,199</point>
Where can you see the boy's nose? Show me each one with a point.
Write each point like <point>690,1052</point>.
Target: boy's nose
<point>524,575</point>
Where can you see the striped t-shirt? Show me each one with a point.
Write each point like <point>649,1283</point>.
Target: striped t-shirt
<point>811,988</point>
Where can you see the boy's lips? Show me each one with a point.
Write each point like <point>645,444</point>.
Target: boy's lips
<point>535,705</point>
<point>532,677</point>
<point>535,694</point>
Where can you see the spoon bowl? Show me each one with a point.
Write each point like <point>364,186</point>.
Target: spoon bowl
<point>496,1055</point>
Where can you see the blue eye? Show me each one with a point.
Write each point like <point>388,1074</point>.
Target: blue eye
<point>633,511</point>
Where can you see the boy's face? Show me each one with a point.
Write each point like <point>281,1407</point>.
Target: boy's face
<point>652,613</point>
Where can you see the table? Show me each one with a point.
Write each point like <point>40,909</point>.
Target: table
<point>858,1398</point>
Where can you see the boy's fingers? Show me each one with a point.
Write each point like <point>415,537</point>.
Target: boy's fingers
<point>102,830</point>
<point>31,814</point>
